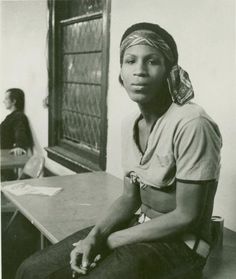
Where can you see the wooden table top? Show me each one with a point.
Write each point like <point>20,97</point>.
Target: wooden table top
<point>9,161</point>
<point>83,199</point>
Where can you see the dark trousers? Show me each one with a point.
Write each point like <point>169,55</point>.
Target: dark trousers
<point>169,259</point>
<point>19,241</point>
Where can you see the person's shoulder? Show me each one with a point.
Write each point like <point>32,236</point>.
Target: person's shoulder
<point>20,114</point>
<point>190,112</point>
<point>192,118</point>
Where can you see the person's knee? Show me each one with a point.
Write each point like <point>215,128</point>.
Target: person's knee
<point>27,270</point>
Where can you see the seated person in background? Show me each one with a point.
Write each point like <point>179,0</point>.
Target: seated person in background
<point>171,161</point>
<point>16,136</point>
<point>15,133</point>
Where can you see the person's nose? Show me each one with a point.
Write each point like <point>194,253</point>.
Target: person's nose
<point>140,69</point>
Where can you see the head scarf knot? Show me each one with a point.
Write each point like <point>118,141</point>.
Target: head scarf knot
<point>178,81</point>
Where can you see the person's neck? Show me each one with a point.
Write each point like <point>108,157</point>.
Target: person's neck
<point>152,111</point>
<point>12,109</point>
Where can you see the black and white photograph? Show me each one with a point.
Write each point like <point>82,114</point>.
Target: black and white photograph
<point>117,134</point>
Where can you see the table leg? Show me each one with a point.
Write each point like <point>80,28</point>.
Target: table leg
<point>42,241</point>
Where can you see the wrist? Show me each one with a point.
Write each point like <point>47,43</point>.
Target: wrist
<point>96,234</point>
<point>111,242</point>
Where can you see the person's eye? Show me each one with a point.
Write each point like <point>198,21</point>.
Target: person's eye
<point>129,61</point>
<point>153,62</point>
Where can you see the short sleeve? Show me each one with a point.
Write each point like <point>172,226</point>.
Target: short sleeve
<point>197,148</point>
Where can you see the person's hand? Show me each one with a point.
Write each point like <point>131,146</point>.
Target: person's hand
<point>85,255</point>
<point>17,151</point>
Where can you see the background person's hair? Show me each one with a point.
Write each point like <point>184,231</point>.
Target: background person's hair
<point>17,95</point>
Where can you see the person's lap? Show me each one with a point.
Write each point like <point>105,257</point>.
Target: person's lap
<point>51,260</point>
<point>149,260</point>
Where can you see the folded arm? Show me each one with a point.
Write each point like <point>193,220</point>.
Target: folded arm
<point>190,201</point>
<point>120,212</point>
<point>117,215</point>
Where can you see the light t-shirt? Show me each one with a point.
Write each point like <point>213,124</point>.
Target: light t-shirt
<point>184,144</point>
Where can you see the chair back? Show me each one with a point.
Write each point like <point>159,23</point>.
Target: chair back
<point>33,168</point>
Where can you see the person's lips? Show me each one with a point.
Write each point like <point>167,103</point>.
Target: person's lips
<point>139,86</point>
<point>139,83</point>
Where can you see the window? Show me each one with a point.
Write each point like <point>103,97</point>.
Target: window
<point>78,69</point>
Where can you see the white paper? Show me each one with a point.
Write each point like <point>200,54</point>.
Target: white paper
<point>20,189</point>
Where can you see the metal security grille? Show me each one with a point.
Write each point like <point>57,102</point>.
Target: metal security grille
<point>81,54</point>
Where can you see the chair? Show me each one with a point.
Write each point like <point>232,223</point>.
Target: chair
<point>32,169</point>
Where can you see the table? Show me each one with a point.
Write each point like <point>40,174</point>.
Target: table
<point>83,199</point>
<point>10,161</point>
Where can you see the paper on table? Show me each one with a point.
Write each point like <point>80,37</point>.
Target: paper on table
<point>20,189</point>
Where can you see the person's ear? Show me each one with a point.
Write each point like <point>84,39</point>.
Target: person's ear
<point>121,78</point>
<point>121,81</point>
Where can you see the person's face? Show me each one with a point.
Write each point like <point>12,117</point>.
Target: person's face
<point>143,72</point>
<point>9,104</point>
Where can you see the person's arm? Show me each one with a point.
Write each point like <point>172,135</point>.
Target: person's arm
<point>190,200</point>
<point>197,154</point>
<point>21,132</point>
<point>119,213</point>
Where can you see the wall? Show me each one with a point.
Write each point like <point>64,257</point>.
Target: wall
<point>24,26</point>
<point>205,37</point>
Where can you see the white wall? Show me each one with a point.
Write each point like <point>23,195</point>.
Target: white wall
<point>24,26</point>
<point>204,32</point>
<point>205,35</point>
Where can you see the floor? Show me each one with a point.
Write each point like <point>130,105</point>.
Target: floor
<point>222,263</point>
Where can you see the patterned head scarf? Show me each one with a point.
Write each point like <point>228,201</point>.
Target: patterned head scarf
<point>178,81</point>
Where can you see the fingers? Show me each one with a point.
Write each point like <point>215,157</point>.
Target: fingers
<point>17,151</point>
<point>92,265</point>
<point>97,258</point>
<point>21,151</point>
<point>83,257</point>
<point>86,252</point>
<point>12,151</point>
<point>86,258</point>
<point>95,261</point>
<point>73,274</point>
<point>75,260</point>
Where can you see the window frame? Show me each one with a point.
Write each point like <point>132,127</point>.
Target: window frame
<point>59,151</point>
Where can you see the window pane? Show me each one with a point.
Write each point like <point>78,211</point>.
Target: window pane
<point>82,98</point>
<point>78,79</point>
<point>82,68</point>
<point>83,7</point>
<point>82,46</point>
<point>74,123</point>
<point>81,114</point>
<point>83,36</point>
